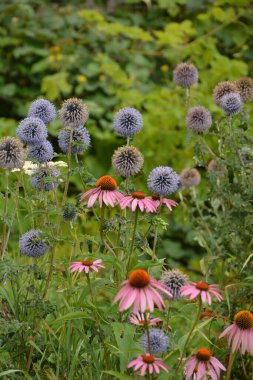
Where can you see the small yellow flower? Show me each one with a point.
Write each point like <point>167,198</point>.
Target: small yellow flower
<point>102,77</point>
<point>164,68</point>
<point>55,49</point>
<point>82,78</point>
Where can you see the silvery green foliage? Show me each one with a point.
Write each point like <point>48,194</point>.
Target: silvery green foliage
<point>32,130</point>
<point>198,119</point>
<point>159,341</point>
<point>42,109</point>
<point>80,140</point>
<point>46,179</point>
<point>163,180</point>
<point>32,245</point>
<point>42,152</point>
<point>12,154</point>
<point>127,121</point>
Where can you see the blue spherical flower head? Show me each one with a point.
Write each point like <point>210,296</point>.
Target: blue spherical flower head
<point>43,152</point>
<point>163,181</point>
<point>43,109</point>
<point>128,121</point>
<point>80,140</point>
<point>31,244</point>
<point>32,130</point>
<point>45,179</point>
<point>159,341</point>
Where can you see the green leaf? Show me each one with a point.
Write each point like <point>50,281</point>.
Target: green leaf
<point>119,375</point>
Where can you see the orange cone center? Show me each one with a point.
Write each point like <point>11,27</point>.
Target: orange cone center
<point>244,319</point>
<point>203,355</point>
<point>107,183</point>
<point>139,278</point>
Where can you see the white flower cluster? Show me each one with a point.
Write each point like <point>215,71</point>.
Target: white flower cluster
<point>29,167</point>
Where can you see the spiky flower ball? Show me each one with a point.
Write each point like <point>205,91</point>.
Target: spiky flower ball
<point>31,244</point>
<point>42,152</point>
<point>190,177</point>
<point>185,75</point>
<point>174,279</point>
<point>163,180</point>
<point>32,130</point>
<point>127,121</point>
<point>223,88</point>
<point>217,168</point>
<point>12,154</point>
<point>73,113</point>
<point>69,213</point>
<point>46,178</point>
<point>43,109</point>
<point>245,88</point>
<point>127,160</point>
<point>159,341</point>
<point>231,103</point>
<point>80,140</point>
<point>198,119</point>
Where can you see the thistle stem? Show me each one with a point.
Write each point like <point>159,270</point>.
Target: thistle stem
<point>69,168</point>
<point>188,339</point>
<point>133,239</point>
<point>6,198</point>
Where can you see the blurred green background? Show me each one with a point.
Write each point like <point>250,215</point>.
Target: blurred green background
<point>115,53</point>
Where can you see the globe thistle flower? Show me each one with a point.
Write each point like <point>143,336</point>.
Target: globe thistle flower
<point>240,333</point>
<point>73,113</point>
<point>174,279</point>
<point>223,88</point>
<point>190,177</point>
<point>45,179</point>
<point>69,213</point>
<point>159,341</point>
<point>163,180</point>
<point>245,88</point>
<point>185,75</point>
<point>216,167</point>
<point>140,290</point>
<point>198,119</point>
<point>203,365</point>
<point>31,244</point>
<point>32,130</point>
<point>80,140</point>
<point>127,161</point>
<point>42,152</point>
<point>42,109</point>
<point>12,154</point>
<point>147,363</point>
<point>127,121</point>
<point>231,103</point>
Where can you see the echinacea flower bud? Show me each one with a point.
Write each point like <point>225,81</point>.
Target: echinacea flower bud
<point>31,244</point>
<point>231,103</point>
<point>127,121</point>
<point>159,341</point>
<point>43,109</point>
<point>73,113</point>
<point>190,177</point>
<point>45,178</point>
<point>198,119</point>
<point>12,154</point>
<point>32,130</point>
<point>223,88</point>
<point>42,152</point>
<point>163,180</point>
<point>80,140</point>
<point>245,88</point>
<point>185,75</point>
<point>127,160</point>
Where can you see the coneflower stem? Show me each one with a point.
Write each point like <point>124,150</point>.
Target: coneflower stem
<point>230,364</point>
<point>188,339</point>
<point>102,218</point>
<point>133,239</point>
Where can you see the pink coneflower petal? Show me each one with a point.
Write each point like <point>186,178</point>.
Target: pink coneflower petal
<point>143,370</point>
<point>202,365</point>
<point>217,364</point>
